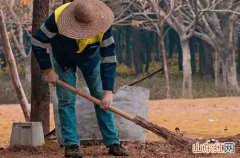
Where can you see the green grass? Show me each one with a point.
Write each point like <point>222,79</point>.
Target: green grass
<point>201,87</point>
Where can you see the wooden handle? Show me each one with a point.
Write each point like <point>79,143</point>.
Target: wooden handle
<point>94,100</point>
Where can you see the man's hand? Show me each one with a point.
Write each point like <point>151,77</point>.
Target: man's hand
<point>107,100</point>
<point>50,76</point>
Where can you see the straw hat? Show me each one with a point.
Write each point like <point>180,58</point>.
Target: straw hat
<point>83,19</point>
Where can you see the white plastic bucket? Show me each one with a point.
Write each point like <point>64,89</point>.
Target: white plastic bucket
<point>133,100</point>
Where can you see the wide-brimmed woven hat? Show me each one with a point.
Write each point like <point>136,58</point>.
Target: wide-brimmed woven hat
<point>83,19</point>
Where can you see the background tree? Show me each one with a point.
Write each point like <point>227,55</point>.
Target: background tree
<point>144,16</point>
<point>161,31</point>
<point>13,69</point>
<point>40,98</point>
<point>218,27</point>
<point>210,21</point>
<point>175,14</point>
<point>18,21</point>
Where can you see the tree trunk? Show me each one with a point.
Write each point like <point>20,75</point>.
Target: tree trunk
<point>238,53</point>
<point>187,71</point>
<point>148,60</point>
<point>229,60</point>
<point>148,49</point>
<point>127,39</point>
<point>217,68</point>
<point>138,49</point>
<point>40,98</point>
<point>165,65</point>
<point>25,55</point>
<point>27,66</point>
<point>180,56</point>
<point>193,44</point>
<point>230,74</point>
<point>206,60</point>
<point>13,69</point>
<point>138,65</point>
<point>118,48</point>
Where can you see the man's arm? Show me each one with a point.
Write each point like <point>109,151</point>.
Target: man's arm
<point>41,41</point>
<point>108,68</point>
<point>108,61</point>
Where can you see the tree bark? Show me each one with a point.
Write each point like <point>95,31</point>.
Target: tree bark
<point>27,66</point>
<point>26,57</point>
<point>238,54</point>
<point>126,42</point>
<point>206,60</point>
<point>230,74</point>
<point>13,69</point>
<point>216,69</point>
<point>165,65</point>
<point>138,49</point>
<point>193,44</point>
<point>187,71</point>
<point>40,98</point>
<point>229,60</point>
<point>138,65</point>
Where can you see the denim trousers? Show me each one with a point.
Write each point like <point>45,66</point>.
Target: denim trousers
<point>66,105</point>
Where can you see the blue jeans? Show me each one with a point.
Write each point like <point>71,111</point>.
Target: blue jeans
<point>66,105</point>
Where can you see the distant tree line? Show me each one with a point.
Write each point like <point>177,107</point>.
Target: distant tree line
<point>138,47</point>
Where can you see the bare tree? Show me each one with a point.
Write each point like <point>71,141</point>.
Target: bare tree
<point>40,98</point>
<point>13,69</point>
<point>161,32</point>
<point>146,16</point>
<point>217,26</point>
<point>181,16</point>
<point>215,22</point>
<point>182,19</point>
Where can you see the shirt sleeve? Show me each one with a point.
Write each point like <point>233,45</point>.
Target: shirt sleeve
<point>41,41</point>
<point>108,60</point>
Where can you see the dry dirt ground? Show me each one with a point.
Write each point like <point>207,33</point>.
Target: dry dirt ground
<point>196,118</point>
